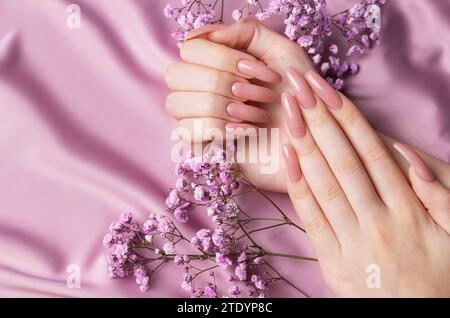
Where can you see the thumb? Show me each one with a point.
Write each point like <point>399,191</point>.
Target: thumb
<point>275,50</point>
<point>434,196</point>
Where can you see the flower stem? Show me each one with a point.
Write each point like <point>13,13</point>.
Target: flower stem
<point>288,221</point>
<point>285,280</point>
<point>291,256</point>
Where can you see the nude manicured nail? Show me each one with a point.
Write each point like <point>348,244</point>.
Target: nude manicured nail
<point>291,160</point>
<point>253,92</point>
<point>292,115</point>
<point>258,70</point>
<point>324,90</point>
<point>204,30</point>
<point>247,113</point>
<point>416,162</point>
<point>301,88</point>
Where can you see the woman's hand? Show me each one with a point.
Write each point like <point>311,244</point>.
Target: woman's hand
<point>373,235</point>
<point>213,60</point>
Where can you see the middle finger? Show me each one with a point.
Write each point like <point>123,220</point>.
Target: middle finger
<point>336,148</point>
<point>190,77</point>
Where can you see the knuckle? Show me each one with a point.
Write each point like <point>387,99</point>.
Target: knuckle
<point>212,103</point>
<point>351,118</point>
<point>216,83</point>
<point>170,74</point>
<point>300,194</point>
<point>169,104</point>
<point>184,51</point>
<point>223,60</point>
<point>315,224</point>
<point>349,165</point>
<point>320,121</point>
<point>307,149</point>
<point>376,154</point>
<point>329,191</point>
<point>187,48</point>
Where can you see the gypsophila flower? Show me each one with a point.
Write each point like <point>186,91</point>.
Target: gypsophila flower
<point>234,290</point>
<point>210,291</point>
<point>223,261</point>
<point>307,22</point>
<point>191,15</point>
<point>208,182</point>
<point>212,184</point>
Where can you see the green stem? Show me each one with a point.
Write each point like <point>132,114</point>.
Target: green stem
<point>291,256</point>
<point>285,280</point>
<point>273,203</point>
<point>262,229</point>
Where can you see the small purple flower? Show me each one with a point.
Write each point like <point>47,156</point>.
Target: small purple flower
<point>210,292</point>
<point>237,15</point>
<point>169,248</point>
<point>223,261</point>
<point>234,290</point>
<point>241,271</point>
<point>180,215</point>
<point>168,11</point>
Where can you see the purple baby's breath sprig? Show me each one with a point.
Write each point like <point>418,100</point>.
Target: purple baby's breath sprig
<point>226,245</point>
<point>308,23</point>
<point>191,15</point>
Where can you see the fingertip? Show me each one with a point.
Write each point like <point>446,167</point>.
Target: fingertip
<point>324,90</point>
<point>417,163</point>
<point>208,29</point>
<point>300,88</point>
<point>258,70</point>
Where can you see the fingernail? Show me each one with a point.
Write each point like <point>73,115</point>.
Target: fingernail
<point>259,71</point>
<point>238,129</point>
<point>292,115</point>
<point>301,89</point>
<point>247,113</point>
<point>204,30</point>
<point>252,92</point>
<point>324,90</point>
<point>415,161</point>
<point>292,166</point>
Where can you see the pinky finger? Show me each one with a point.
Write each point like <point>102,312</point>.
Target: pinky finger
<point>434,196</point>
<point>319,231</point>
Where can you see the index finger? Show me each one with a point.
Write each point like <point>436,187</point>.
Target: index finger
<point>206,53</point>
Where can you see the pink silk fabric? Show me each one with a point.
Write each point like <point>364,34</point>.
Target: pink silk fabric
<point>84,135</point>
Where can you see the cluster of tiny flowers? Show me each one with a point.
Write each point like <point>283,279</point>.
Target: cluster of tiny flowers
<point>126,237</point>
<point>244,282</point>
<point>309,24</point>
<point>204,181</point>
<point>207,182</point>
<point>190,15</point>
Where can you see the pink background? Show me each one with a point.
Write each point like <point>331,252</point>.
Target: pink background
<point>84,135</point>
